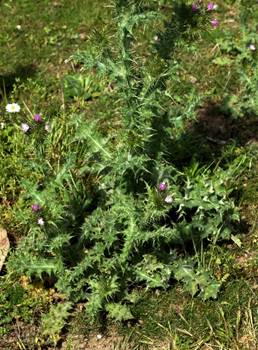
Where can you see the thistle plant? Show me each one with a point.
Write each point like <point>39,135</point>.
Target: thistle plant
<point>112,212</point>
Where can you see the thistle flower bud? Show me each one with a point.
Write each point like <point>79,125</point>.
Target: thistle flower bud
<point>35,207</point>
<point>214,23</point>
<point>162,186</point>
<point>211,6</point>
<point>37,118</point>
<point>194,7</point>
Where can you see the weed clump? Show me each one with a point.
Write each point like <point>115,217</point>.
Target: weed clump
<point>111,205</point>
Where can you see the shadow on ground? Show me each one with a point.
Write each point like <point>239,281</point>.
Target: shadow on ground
<point>206,139</point>
<point>183,24</point>
<point>7,81</point>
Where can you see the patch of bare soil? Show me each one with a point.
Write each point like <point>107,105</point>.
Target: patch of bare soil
<point>216,126</point>
<point>21,337</point>
<point>27,337</point>
<point>110,341</point>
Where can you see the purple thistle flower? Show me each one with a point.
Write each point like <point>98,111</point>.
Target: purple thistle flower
<point>25,127</point>
<point>35,207</point>
<point>194,7</point>
<point>214,23</point>
<point>211,6</point>
<point>37,118</point>
<point>162,186</point>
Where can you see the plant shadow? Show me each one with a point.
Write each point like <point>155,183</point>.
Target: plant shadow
<point>206,139</point>
<point>182,24</point>
<point>7,81</point>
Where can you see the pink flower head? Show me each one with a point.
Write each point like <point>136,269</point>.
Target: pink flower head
<point>211,6</point>
<point>35,207</point>
<point>37,118</point>
<point>194,7</point>
<point>214,23</point>
<point>163,186</point>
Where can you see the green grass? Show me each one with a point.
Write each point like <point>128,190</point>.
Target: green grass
<point>35,53</point>
<point>33,62</point>
<point>176,320</point>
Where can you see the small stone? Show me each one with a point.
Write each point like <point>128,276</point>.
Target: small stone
<point>4,246</point>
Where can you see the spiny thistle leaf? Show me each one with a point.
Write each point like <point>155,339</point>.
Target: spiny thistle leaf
<point>119,312</point>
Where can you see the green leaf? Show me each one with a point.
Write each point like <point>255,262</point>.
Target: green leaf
<point>211,290</point>
<point>55,320</point>
<point>222,61</point>
<point>236,240</point>
<point>119,312</point>
<point>184,273</point>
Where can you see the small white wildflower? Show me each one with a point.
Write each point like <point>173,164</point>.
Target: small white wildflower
<point>25,127</point>
<point>252,47</point>
<point>41,222</point>
<point>99,336</point>
<point>192,79</point>
<point>12,108</point>
<point>168,199</point>
<point>47,127</point>
<point>2,125</point>
<point>18,27</point>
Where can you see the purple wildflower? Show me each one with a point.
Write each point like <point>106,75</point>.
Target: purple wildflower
<point>35,207</point>
<point>194,7</point>
<point>37,118</point>
<point>211,6</point>
<point>25,127</point>
<point>163,186</point>
<point>214,23</point>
